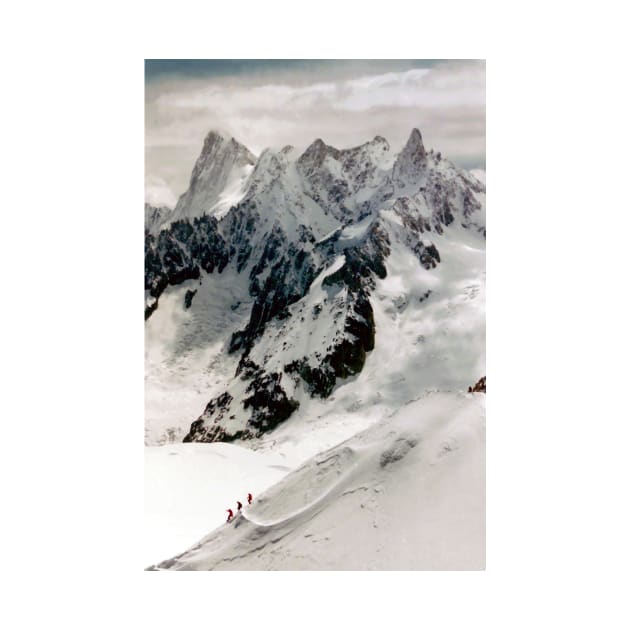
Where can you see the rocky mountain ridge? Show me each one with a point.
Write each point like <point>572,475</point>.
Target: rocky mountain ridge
<point>307,236</point>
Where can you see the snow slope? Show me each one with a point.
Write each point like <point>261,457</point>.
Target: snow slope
<point>406,494</point>
<point>186,362</point>
<point>188,487</point>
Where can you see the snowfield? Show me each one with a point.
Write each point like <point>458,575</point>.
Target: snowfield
<point>406,494</point>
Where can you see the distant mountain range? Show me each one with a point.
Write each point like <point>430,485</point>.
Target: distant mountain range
<point>277,277</point>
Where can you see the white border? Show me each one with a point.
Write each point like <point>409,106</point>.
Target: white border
<point>557,426</point>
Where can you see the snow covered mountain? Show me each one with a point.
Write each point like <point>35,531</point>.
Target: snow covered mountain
<point>217,179</point>
<point>308,246</point>
<point>321,310</point>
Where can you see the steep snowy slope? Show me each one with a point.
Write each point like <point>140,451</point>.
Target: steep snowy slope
<point>189,486</point>
<point>406,494</point>
<point>186,358</point>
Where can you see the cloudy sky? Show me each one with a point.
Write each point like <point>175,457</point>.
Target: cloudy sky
<point>275,103</point>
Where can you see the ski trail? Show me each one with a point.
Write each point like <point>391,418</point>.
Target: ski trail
<point>286,519</point>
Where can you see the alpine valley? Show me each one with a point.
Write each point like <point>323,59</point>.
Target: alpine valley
<point>313,323</point>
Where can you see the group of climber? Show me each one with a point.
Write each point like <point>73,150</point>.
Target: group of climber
<point>239,505</point>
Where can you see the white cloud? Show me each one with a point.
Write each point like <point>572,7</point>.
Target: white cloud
<point>157,192</point>
<point>447,102</point>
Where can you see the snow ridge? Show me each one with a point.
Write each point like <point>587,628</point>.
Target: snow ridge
<point>342,508</point>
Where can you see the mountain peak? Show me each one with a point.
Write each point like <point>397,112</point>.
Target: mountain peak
<point>411,161</point>
<point>414,145</point>
<point>317,152</point>
<point>223,165</point>
<point>216,140</point>
<point>318,146</point>
<point>213,138</point>
<point>219,152</point>
<point>380,140</point>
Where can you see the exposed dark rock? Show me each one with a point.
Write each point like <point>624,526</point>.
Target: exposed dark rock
<point>149,308</point>
<point>428,255</point>
<point>215,433</point>
<point>201,430</point>
<point>239,226</point>
<point>289,279</point>
<point>397,451</point>
<point>247,369</point>
<point>188,298</point>
<point>269,402</point>
<point>412,220</point>
<point>320,381</point>
<point>207,246</point>
<point>347,355</point>
<point>415,225</point>
<point>411,161</point>
<point>479,386</point>
<point>179,252</point>
<point>363,260</point>
<point>305,235</point>
<point>332,176</point>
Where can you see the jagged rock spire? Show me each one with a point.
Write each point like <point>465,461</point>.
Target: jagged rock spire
<point>414,150</point>
<point>411,160</point>
<point>316,152</point>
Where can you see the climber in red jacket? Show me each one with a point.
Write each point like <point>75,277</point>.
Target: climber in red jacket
<point>230,515</point>
<point>249,498</point>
